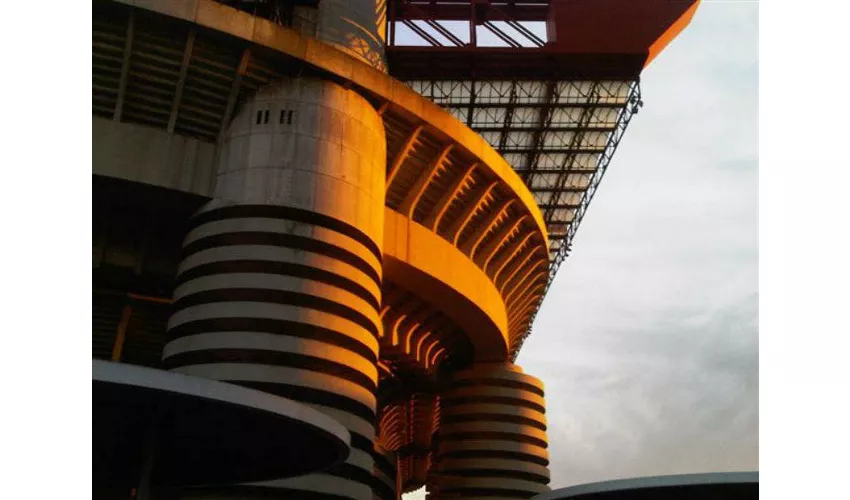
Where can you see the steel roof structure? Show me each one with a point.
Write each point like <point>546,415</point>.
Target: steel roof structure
<point>551,85</point>
<point>554,105</point>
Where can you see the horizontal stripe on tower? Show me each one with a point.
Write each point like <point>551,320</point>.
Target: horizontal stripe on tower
<point>251,492</point>
<point>352,473</point>
<point>258,295</point>
<point>313,396</point>
<point>483,453</point>
<point>478,382</point>
<point>383,490</point>
<point>274,327</point>
<point>279,268</point>
<point>288,213</point>
<point>447,402</point>
<point>321,482</point>
<point>500,436</point>
<point>255,225</point>
<point>495,473</point>
<point>281,240</point>
<point>283,255</point>
<point>269,342</point>
<point>383,463</point>
<point>490,391</point>
<point>273,358</point>
<point>272,284</point>
<point>316,381</point>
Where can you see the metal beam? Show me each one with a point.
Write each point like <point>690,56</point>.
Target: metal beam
<point>487,224</point>
<point>522,259</point>
<point>125,67</point>
<point>527,290</point>
<point>520,290</point>
<point>557,105</point>
<point>479,197</point>
<point>526,309</point>
<point>552,128</point>
<point>522,30</point>
<point>565,189</point>
<point>121,333</point>
<point>526,272</point>
<point>181,82</point>
<point>471,108</point>
<point>234,91</point>
<point>531,295</point>
<point>422,33</point>
<point>559,206</point>
<point>499,239</point>
<point>502,35</point>
<point>408,205</point>
<point>509,115</point>
<point>433,220</point>
<point>560,150</point>
<point>505,260</point>
<point>399,159</point>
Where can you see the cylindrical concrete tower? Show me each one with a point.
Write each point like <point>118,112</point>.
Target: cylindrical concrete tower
<point>492,437</point>
<point>386,472</point>
<point>279,288</point>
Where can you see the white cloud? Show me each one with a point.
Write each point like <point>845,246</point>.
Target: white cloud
<point>648,339</point>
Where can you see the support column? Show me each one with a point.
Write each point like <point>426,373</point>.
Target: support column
<point>492,438</point>
<point>279,288</point>
<point>385,485</point>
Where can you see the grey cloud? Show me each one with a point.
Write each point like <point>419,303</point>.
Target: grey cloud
<point>648,339</point>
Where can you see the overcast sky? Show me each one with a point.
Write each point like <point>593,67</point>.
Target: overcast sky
<point>648,339</point>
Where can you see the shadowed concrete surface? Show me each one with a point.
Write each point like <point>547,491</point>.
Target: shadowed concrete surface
<point>279,210</point>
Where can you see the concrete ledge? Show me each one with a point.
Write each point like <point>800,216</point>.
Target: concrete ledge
<point>429,266</point>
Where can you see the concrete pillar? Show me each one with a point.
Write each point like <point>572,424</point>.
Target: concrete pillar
<point>279,288</point>
<point>492,439</point>
<point>386,474</point>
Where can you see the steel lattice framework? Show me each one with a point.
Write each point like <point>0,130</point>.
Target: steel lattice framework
<point>560,136</point>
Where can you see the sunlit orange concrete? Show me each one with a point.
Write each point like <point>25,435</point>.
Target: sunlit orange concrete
<point>420,261</point>
<point>357,248</point>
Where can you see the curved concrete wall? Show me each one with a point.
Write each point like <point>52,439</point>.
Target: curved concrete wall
<point>420,261</point>
<point>384,487</point>
<point>279,287</point>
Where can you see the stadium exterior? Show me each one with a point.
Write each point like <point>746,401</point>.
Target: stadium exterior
<point>301,223</point>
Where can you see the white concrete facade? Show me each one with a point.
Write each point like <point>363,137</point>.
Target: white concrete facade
<point>280,286</point>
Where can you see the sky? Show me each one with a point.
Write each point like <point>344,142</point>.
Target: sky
<point>647,341</point>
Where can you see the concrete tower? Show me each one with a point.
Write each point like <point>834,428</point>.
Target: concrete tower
<point>276,209</point>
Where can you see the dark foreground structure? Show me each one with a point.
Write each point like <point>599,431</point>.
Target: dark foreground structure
<point>713,486</point>
<point>335,220</point>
